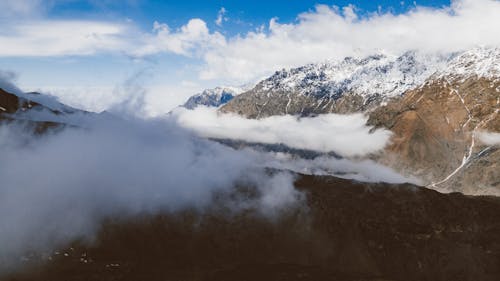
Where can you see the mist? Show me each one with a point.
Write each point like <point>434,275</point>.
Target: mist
<point>364,170</point>
<point>489,138</point>
<point>346,135</point>
<point>60,186</point>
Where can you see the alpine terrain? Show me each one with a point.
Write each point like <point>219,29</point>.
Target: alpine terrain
<point>437,107</point>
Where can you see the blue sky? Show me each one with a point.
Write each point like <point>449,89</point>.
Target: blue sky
<point>181,47</point>
<point>244,14</point>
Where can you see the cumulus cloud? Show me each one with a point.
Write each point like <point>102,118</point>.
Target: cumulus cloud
<point>194,38</point>
<point>328,32</point>
<point>333,33</point>
<point>346,135</point>
<point>47,38</point>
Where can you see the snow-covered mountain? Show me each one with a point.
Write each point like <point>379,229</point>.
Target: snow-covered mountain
<point>478,62</point>
<point>345,86</point>
<point>212,97</point>
<point>354,85</point>
<point>435,105</point>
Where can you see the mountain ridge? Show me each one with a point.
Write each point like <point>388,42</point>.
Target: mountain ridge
<point>434,108</point>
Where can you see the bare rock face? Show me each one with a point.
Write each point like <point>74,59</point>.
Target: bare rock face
<point>436,134</point>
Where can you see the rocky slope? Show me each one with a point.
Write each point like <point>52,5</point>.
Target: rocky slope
<point>344,230</point>
<point>437,126</point>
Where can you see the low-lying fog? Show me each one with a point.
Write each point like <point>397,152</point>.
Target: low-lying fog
<point>59,186</point>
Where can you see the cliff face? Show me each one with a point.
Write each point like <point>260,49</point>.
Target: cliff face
<point>344,230</point>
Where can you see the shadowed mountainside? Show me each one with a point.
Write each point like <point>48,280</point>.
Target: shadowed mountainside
<point>345,230</point>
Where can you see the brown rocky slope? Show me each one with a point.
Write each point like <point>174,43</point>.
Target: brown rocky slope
<point>437,131</point>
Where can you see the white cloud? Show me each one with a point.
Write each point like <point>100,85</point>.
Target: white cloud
<point>73,37</point>
<point>489,138</point>
<point>7,79</point>
<point>221,17</point>
<point>157,99</point>
<point>361,170</point>
<point>21,8</point>
<point>52,193</point>
<point>60,38</point>
<point>89,98</point>
<point>194,38</point>
<point>328,32</point>
<point>346,135</point>
<point>332,33</point>
<point>325,33</point>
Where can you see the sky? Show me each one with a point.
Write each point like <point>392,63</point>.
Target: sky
<point>88,53</point>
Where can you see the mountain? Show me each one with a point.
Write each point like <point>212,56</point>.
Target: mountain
<point>212,97</point>
<point>351,85</point>
<point>435,106</point>
<point>437,126</point>
<point>344,230</point>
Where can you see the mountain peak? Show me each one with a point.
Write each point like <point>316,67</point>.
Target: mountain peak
<point>212,97</point>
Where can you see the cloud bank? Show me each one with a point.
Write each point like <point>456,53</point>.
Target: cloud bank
<point>61,186</point>
<point>328,32</point>
<point>333,33</point>
<point>346,135</point>
<point>360,170</point>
